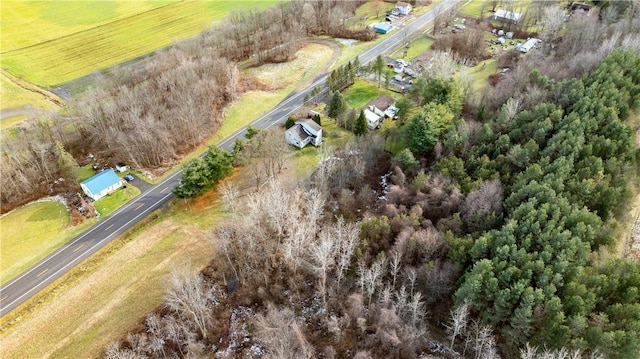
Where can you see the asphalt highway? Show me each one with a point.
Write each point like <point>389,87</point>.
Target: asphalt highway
<point>36,278</point>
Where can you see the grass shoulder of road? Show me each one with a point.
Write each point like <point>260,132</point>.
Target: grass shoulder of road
<point>417,46</point>
<point>130,31</point>
<point>31,232</point>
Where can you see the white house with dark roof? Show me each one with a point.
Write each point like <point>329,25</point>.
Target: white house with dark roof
<point>101,184</point>
<point>305,131</point>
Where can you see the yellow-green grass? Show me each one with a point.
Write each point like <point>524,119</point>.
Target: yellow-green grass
<point>14,96</point>
<point>110,298</point>
<point>474,8</point>
<point>479,74</point>
<point>418,46</point>
<point>110,203</point>
<point>28,234</point>
<point>349,53</point>
<point>307,62</point>
<point>57,19</point>
<point>129,31</point>
<point>361,92</point>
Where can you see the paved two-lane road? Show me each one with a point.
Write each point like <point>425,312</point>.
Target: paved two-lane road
<point>61,261</point>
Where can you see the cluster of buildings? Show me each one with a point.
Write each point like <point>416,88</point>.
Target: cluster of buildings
<point>306,131</point>
<point>401,9</point>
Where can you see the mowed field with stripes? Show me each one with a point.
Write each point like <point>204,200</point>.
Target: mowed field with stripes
<point>52,42</point>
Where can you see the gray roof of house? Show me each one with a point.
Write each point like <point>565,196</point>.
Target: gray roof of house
<point>310,123</point>
<point>297,131</point>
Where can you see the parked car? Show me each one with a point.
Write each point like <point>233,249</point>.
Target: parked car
<point>128,177</point>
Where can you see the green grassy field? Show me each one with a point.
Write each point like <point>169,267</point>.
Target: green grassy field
<point>479,73</point>
<point>474,8</point>
<point>358,94</point>
<point>75,38</point>
<point>28,234</point>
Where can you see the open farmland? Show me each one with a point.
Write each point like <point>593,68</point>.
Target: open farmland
<point>49,43</point>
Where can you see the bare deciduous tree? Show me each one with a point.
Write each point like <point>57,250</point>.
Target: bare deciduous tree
<point>281,333</point>
<point>190,296</point>
<point>459,321</point>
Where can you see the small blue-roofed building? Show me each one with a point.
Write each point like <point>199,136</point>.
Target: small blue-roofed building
<point>101,184</point>
<point>382,28</point>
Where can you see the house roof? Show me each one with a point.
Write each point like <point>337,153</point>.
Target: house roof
<point>381,102</point>
<point>382,26</point>
<point>101,181</point>
<point>310,123</point>
<point>509,15</point>
<point>298,132</point>
<point>402,4</point>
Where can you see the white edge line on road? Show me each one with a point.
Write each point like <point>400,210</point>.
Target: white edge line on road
<point>85,252</point>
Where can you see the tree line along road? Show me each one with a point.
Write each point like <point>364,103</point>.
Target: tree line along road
<point>38,277</point>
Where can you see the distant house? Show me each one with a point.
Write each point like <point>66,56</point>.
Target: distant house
<point>404,8</point>
<point>504,15</point>
<point>101,184</point>
<point>530,44</point>
<point>382,27</point>
<point>382,106</point>
<point>305,131</point>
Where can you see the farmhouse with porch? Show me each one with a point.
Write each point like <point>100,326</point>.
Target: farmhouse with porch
<point>101,184</point>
